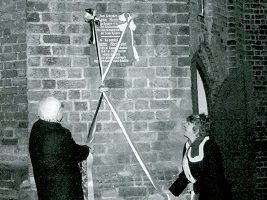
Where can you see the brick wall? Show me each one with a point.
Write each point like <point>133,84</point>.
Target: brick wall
<point>255,56</point>
<point>230,42</point>
<point>152,96</point>
<point>208,38</point>
<point>13,98</point>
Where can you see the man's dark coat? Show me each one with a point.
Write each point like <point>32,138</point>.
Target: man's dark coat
<point>55,157</point>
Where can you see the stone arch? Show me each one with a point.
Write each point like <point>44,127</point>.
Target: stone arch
<point>202,60</point>
<point>228,103</point>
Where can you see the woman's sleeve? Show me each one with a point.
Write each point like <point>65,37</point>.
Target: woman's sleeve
<point>181,182</point>
<point>179,185</point>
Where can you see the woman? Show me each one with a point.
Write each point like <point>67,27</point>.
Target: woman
<point>55,155</point>
<point>202,163</point>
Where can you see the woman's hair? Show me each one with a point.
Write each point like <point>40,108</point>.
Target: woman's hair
<point>201,123</point>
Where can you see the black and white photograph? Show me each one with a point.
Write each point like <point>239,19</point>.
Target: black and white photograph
<point>133,100</point>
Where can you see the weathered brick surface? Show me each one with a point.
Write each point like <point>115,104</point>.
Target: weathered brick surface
<point>13,95</point>
<point>230,49</point>
<point>152,96</point>
<point>58,63</point>
<point>255,45</point>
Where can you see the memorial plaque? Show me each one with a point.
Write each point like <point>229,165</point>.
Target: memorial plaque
<point>109,35</point>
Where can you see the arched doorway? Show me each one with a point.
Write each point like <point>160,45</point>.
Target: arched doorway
<point>200,86</point>
<point>228,105</point>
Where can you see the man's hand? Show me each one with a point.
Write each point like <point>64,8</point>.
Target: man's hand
<point>92,150</point>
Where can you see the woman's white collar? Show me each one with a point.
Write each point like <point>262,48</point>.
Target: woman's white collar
<point>200,150</point>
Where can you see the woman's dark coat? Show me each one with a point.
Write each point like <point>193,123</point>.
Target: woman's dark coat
<point>55,157</point>
<point>210,182</point>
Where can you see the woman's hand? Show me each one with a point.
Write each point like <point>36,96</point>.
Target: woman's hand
<point>190,187</point>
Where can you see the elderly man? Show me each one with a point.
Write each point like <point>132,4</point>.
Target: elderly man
<point>55,155</point>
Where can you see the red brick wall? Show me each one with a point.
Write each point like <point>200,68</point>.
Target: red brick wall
<point>255,56</point>
<point>13,98</point>
<point>152,96</point>
<point>230,41</point>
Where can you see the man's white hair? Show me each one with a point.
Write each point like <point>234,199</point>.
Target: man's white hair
<point>49,108</point>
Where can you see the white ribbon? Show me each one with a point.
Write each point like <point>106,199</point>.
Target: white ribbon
<point>129,140</point>
<point>90,183</point>
<point>125,22</point>
<point>128,22</point>
<point>123,28</point>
